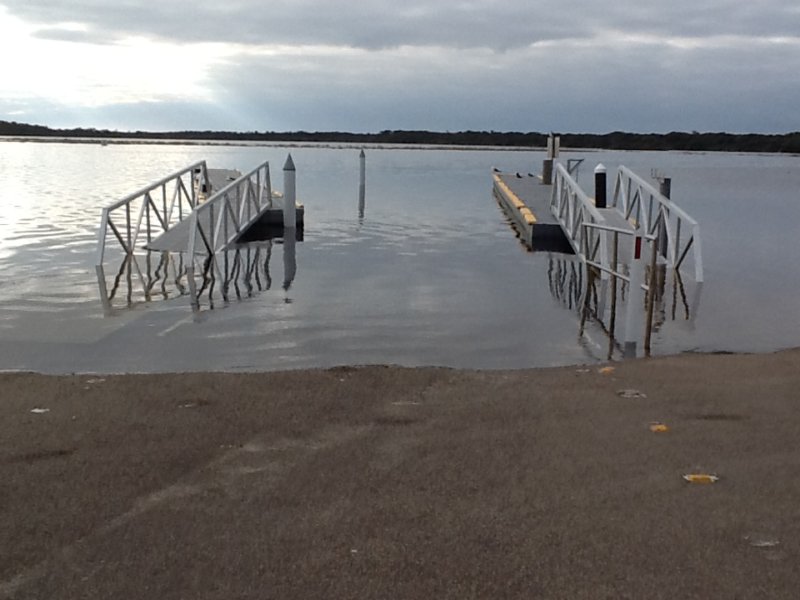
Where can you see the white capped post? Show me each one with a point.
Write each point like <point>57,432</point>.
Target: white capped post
<point>600,197</point>
<point>289,194</point>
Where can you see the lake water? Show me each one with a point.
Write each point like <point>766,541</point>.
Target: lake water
<point>431,274</point>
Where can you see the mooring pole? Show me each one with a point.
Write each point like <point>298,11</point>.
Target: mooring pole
<point>635,300</point>
<point>289,195</point>
<point>362,183</point>
<point>665,189</point>
<point>600,186</point>
<point>553,146</point>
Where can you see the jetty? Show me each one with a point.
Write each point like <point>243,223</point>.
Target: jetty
<point>198,211</point>
<point>628,235</point>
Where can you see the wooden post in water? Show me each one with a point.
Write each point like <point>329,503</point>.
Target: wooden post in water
<point>289,196</point>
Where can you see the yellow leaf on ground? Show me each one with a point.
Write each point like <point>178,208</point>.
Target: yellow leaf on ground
<point>700,478</point>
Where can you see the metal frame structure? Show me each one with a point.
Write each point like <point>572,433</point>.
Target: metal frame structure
<point>223,217</point>
<point>233,274</point>
<point>574,209</point>
<point>648,209</point>
<point>176,193</point>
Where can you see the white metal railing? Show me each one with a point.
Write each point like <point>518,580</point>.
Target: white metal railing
<point>224,216</point>
<point>574,209</point>
<point>647,209</point>
<point>167,201</point>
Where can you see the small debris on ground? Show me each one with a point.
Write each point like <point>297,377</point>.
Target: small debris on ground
<point>40,411</point>
<point>631,394</point>
<point>700,478</point>
<point>658,427</point>
<point>762,541</point>
<point>606,370</point>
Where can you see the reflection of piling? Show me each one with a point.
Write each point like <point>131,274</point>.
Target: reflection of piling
<point>362,183</point>
<point>289,195</point>
<point>289,259</point>
<point>635,299</point>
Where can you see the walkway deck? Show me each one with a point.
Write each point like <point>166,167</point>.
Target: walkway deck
<point>527,201</point>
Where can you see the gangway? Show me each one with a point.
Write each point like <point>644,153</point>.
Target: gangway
<point>222,217</point>
<point>196,211</point>
<point>632,238</point>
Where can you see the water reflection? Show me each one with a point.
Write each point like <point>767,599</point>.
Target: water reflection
<point>233,275</point>
<point>601,302</point>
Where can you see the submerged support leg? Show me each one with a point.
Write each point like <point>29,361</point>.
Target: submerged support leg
<point>633,320</point>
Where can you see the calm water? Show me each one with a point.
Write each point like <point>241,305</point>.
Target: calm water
<point>431,275</point>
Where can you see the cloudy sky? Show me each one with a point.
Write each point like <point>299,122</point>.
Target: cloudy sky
<point>369,65</point>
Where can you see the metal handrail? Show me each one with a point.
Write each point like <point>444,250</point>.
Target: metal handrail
<point>230,210</point>
<point>573,209</point>
<point>148,208</point>
<point>648,209</point>
<point>224,216</point>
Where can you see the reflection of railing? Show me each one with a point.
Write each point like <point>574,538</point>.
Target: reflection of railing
<point>596,300</point>
<point>573,209</point>
<point>224,216</point>
<point>655,214</point>
<point>166,201</point>
<point>565,276</point>
<point>226,276</point>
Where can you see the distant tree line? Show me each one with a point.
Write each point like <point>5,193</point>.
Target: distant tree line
<point>617,140</point>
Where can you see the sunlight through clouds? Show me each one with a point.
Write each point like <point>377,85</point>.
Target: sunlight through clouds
<point>379,64</point>
<point>83,74</point>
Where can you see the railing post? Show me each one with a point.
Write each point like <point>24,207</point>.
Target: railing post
<point>635,299</point>
<point>289,194</point>
<point>600,194</point>
<point>665,189</point>
<point>101,237</point>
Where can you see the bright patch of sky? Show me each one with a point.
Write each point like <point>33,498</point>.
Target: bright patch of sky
<point>541,65</point>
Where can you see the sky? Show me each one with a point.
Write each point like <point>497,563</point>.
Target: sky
<point>370,65</point>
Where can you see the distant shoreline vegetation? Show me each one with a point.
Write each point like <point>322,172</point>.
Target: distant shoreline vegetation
<point>617,140</point>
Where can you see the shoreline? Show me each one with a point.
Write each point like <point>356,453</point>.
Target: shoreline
<point>381,481</point>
